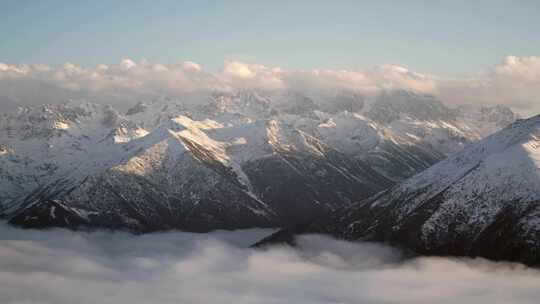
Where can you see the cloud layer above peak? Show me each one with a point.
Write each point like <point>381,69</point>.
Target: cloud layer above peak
<point>514,82</point>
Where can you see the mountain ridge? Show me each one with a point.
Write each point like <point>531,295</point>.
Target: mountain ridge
<point>483,201</point>
<point>274,159</point>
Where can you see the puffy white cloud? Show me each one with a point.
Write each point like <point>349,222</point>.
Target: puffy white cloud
<point>237,69</point>
<point>526,69</point>
<point>398,77</point>
<point>9,70</point>
<point>127,64</point>
<point>330,80</point>
<point>238,75</point>
<point>514,82</point>
<point>58,266</point>
<point>191,66</point>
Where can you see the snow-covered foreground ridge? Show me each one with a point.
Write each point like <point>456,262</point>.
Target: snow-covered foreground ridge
<point>482,201</point>
<point>222,160</point>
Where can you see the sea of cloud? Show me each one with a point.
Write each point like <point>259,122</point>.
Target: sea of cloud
<point>64,267</point>
<point>515,82</point>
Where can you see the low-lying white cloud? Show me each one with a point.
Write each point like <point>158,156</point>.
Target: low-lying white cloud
<point>59,266</point>
<point>514,82</point>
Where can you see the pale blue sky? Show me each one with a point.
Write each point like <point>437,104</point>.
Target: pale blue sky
<point>443,37</point>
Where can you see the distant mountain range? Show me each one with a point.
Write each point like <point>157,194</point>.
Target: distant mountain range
<point>220,160</point>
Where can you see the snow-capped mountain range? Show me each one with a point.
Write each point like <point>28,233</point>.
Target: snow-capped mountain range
<point>222,160</point>
<point>482,201</point>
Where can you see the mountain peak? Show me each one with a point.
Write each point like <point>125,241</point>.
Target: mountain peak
<point>391,105</point>
<point>482,201</point>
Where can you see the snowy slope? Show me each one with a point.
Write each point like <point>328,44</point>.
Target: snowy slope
<point>482,201</point>
<point>50,142</point>
<point>221,160</point>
